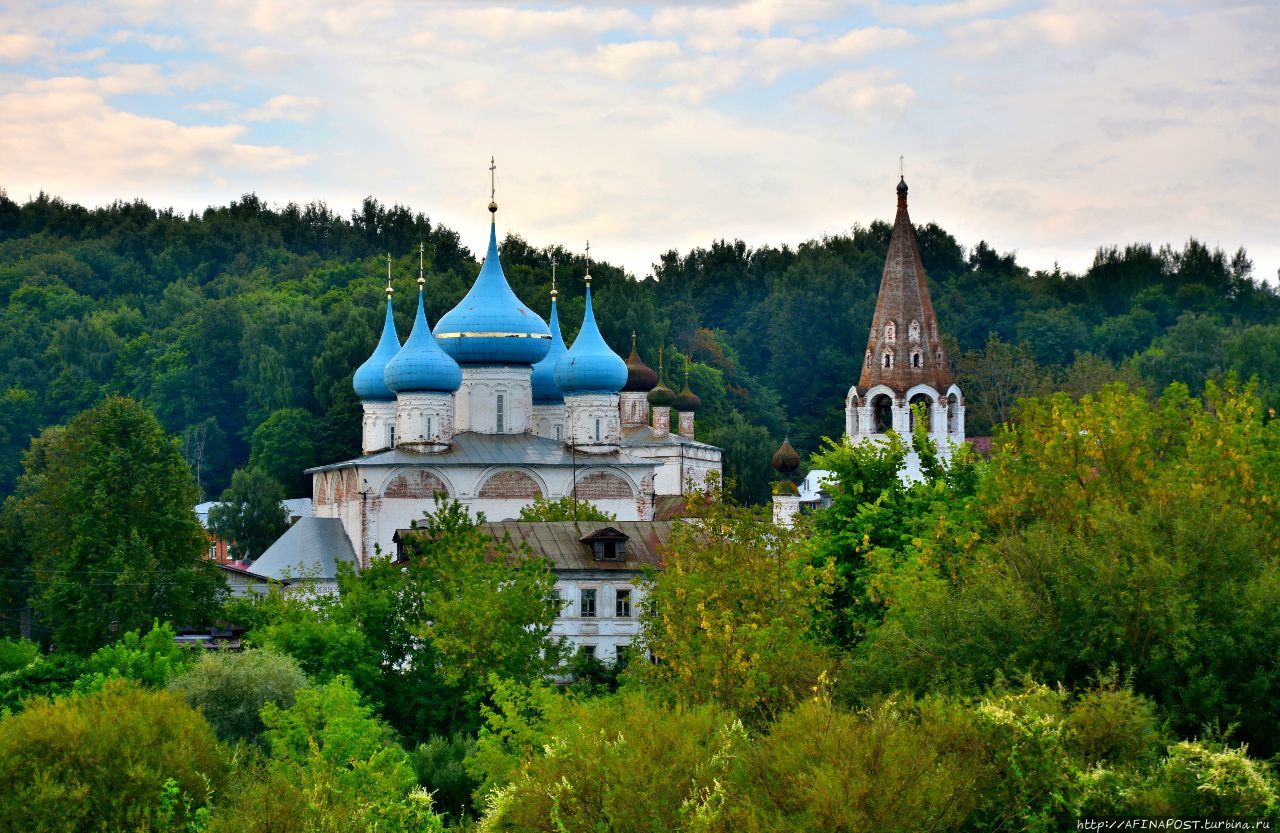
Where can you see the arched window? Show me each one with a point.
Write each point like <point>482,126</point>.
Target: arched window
<point>500,410</point>
<point>913,331</point>
<point>890,332</point>
<point>868,359</point>
<point>917,400</point>
<point>915,359</point>
<point>882,413</point>
<point>888,359</point>
<point>953,414</point>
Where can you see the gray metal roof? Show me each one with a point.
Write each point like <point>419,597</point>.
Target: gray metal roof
<point>472,449</point>
<point>310,549</point>
<point>561,542</point>
<point>644,435</point>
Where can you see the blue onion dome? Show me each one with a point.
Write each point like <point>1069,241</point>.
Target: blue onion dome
<point>590,366</point>
<point>489,325</point>
<point>686,400</point>
<point>368,381</point>
<point>421,365</point>
<point>545,389</point>
<point>640,377</point>
<point>661,396</point>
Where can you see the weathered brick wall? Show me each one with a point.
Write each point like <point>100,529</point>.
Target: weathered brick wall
<point>418,484</point>
<point>603,485</point>
<point>511,484</point>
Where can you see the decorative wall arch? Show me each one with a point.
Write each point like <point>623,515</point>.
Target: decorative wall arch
<point>927,390</point>
<point>415,484</point>
<point>511,484</point>
<point>913,331</point>
<point>890,332</point>
<point>604,484</point>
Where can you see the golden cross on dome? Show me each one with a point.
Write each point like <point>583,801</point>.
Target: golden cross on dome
<point>554,293</point>
<point>422,281</point>
<point>588,278</point>
<point>389,289</point>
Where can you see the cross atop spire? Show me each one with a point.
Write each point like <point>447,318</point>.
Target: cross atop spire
<point>554,293</point>
<point>389,289</point>
<point>422,281</point>
<point>588,277</point>
<point>493,186</point>
<point>902,174</point>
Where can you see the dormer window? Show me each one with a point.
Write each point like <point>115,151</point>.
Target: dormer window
<point>913,331</point>
<point>890,333</point>
<point>607,544</point>
<point>915,359</point>
<point>888,360</point>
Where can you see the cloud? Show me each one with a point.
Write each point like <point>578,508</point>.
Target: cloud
<point>152,40</point>
<point>1059,24</point>
<point>874,92</point>
<point>15,49</point>
<point>511,25</point>
<point>285,108</point>
<point>933,14</point>
<point>61,134</point>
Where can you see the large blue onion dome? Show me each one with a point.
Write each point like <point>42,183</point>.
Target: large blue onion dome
<point>421,365</point>
<point>490,325</point>
<point>368,382</point>
<point>545,389</point>
<point>590,366</point>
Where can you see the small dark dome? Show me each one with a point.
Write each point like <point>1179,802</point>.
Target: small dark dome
<point>902,185</point>
<point>661,396</point>
<point>785,459</point>
<point>686,400</point>
<point>640,377</point>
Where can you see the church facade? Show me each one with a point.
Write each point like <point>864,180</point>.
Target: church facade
<point>492,409</point>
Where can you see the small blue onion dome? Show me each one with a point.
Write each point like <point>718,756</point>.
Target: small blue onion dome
<point>421,365</point>
<point>590,366</point>
<point>368,381</point>
<point>545,389</point>
<point>490,326</point>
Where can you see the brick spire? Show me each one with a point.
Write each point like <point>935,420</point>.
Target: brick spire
<point>904,327</point>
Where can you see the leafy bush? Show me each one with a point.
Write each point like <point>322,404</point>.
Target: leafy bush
<point>230,689</point>
<point>17,653</point>
<point>440,765</point>
<point>101,761</point>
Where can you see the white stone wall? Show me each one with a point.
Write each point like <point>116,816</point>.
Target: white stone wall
<point>605,631</point>
<point>785,509</point>
<point>476,402</point>
<point>593,422</point>
<point>678,463</point>
<point>375,501</point>
<point>945,414</point>
<point>424,421</point>
<point>549,422</point>
<point>378,427</point>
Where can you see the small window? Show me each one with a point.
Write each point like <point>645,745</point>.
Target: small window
<point>500,412</point>
<point>868,359</point>
<point>391,435</point>
<point>556,600</point>
<point>915,359</point>
<point>913,331</point>
<point>428,427</point>
<point>597,430</point>
<point>622,603</point>
<point>888,360</point>
<point>557,431</point>
<point>609,550</point>
<point>890,332</point>
<point>588,603</point>
<point>589,650</point>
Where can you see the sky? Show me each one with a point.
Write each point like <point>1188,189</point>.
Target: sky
<point>1045,127</point>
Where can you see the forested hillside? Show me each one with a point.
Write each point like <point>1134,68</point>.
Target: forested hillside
<point>240,327</point>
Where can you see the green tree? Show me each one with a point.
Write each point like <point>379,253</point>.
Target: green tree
<point>230,689</point>
<point>105,510</point>
<point>250,515</point>
<point>101,762</point>
<point>284,446</point>
<point>730,620</point>
<point>566,508</point>
<point>459,608</point>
